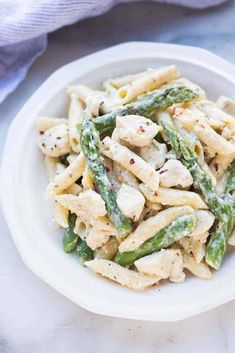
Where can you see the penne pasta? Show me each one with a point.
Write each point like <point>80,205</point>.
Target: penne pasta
<point>173,197</point>
<point>131,161</point>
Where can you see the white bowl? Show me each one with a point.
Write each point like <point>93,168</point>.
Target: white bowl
<point>23,183</point>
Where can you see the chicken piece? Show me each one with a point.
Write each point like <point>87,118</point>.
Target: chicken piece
<point>155,154</point>
<point>87,205</point>
<point>164,263</point>
<point>55,141</point>
<point>130,201</point>
<point>174,173</point>
<point>137,130</point>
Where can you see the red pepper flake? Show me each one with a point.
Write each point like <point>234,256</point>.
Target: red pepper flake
<point>107,169</point>
<point>41,132</point>
<point>142,128</point>
<point>132,161</point>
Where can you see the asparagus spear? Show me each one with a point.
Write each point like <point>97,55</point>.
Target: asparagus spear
<point>231,178</point>
<point>90,141</point>
<point>160,99</point>
<point>84,251</point>
<point>221,207</point>
<point>70,239</point>
<point>179,228</point>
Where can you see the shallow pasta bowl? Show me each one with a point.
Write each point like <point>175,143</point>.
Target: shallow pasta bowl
<point>23,183</point>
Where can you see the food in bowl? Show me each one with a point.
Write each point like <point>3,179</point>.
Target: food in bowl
<point>141,176</point>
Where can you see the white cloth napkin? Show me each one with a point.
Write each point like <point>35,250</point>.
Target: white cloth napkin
<point>25,23</point>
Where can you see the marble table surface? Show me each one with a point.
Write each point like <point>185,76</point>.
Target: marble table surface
<point>33,317</point>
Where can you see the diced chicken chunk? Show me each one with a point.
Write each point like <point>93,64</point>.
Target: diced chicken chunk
<point>125,277</point>
<point>100,232</point>
<point>137,130</point>
<point>130,201</point>
<point>164,263</point>
<point>87,205</point>
<point>55,141</point>
<point>155,154</point>
<point>96,238</point>
<point>174,173</point>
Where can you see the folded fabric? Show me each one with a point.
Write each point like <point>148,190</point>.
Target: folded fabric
<point>24,25</point>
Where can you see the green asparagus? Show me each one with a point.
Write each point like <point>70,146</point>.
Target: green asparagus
<point>231,178</point>
<point>70,239</point>
<point>84,251</point>
<point>89,139</point>
<point>221,207</point>
<point>179,228</point>
<point>160,99</point>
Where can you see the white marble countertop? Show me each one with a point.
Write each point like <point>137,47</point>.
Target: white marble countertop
<point>33,317</point>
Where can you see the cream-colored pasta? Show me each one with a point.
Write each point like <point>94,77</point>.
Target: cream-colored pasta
<point>50,165</point>
<point>75,117</point>
<point>173,197</point>
<point>72,173</point>
<point>93,99</point>
<point>148,82</point>
<point>147,229</point>
<point>199,250</point>
<point>220,163</point>
<point>200,270</point>
<point>44,123</point>
<point>204,132</point>
<point>125,277</point>
<point>227,105</point>
<point>87,181</point>
<point>212,110</point>
<point>231,240</point>
<point>124,176</point>
<point>132,162</point>
<point>60,214</point>
<point>118,82</point>
<point>108,250</point>
<point>82,228</point>
<point>73,189</point>
<point>196,113</point>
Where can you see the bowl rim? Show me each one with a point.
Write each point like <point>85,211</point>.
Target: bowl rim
<point>111,55</point>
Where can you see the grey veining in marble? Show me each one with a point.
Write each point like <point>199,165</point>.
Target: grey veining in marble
<point>33,317</point>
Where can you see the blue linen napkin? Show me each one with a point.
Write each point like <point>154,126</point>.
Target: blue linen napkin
<point>25,23</point>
